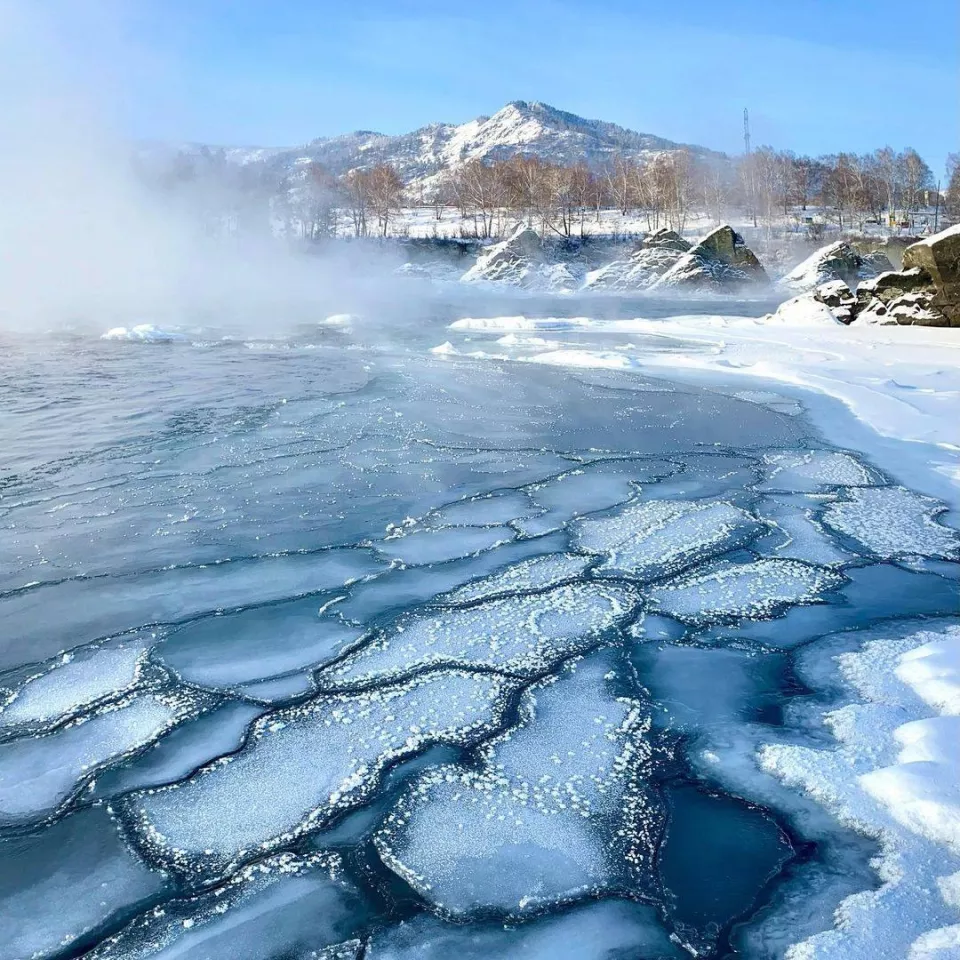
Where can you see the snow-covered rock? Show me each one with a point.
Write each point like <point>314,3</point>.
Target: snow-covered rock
<point>522,260</point>
<point>803,311</point>
<point>722,260</point>
<point>836,261</point>
<point>837,296</point>
<point>657,253</point>
<point>939,257</point>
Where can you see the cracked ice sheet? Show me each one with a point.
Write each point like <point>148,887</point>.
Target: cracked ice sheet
<point>524,636</point>
<point>225,652</point>
<point>868,780</point>
<point>556,812</point>
<point>284,905</point>
<point>601,930</point>
<point>438,545</point>
<point>662,537</point>
<point>539,573</point>
<point>485,511</point>
<point>73,683</point>
<point>589,488</point>
<point>34,617</point>
<point>797,532</point>
<point>809,471</point>
<point>893,522</point>
<point>303,765</point>
<point>38,775</point>
<point>730,591</point>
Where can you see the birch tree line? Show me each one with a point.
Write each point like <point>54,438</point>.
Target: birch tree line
<point>666,189</point>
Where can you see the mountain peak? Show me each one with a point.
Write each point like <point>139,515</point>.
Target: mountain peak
<point>528,127</point>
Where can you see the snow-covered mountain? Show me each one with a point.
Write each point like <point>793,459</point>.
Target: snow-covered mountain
<point>520,127</point>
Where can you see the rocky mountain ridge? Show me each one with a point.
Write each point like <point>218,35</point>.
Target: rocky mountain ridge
<point>533,128</point>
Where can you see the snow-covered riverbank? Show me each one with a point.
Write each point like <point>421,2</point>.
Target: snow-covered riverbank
<point>892,770</point>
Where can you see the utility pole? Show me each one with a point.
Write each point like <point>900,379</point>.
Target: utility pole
<point>936,212</point>
<point>747,164</point>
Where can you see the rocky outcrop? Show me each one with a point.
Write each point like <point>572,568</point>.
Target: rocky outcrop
<point>721,261</point>
<point>836,261</point>
<point>939,257</point>
<point>926,292</point>
<point>523,260</point>
<point>839,298</point>
<point>509,261</point>
<point>655,255</point>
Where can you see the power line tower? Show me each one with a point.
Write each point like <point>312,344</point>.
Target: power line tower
<point>751,191</point>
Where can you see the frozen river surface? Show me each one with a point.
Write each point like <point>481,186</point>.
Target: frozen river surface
<point>320,648</point>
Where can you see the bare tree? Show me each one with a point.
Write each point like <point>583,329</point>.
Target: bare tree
<point>357,189</point>
<point>952,206</point>
<point>386,194</point>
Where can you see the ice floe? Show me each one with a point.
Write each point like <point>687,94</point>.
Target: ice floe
<point>658,538</point>
<point>557,810</point>
<point>436,546</point>
<point>303,765</point>
<point>75,682</point>
<point>601,930</point>
<point>732,591</point>
<point>538,573</point>
<point>38,775</point>
<point>284,905</point>
<point>143,333</point>
<point>485,511</point>
<point>893,522</point>
<point>508,324</point>
<point>524,636</point>
<point>813,470</point>
<point>228,651</point>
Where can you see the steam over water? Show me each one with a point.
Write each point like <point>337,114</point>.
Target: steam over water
<point>321,645</point>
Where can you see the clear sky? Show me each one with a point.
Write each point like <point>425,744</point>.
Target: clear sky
<point>817,75</point>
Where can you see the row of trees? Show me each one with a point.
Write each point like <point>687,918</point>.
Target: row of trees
<point>662,189</point>
<point>848,187</point>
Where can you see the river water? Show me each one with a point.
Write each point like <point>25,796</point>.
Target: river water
<point>322,645</point>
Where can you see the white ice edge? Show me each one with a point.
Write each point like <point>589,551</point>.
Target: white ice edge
<point>894,774</point>
<point>903,382</point>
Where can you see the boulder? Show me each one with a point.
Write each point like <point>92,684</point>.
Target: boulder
<point>640,271</point>
<point>522,260</point>
<point>836,261</point>
<point>664,239</point>
<point>907,309</point>
<point>837,296</point>
<point>803,311</point>
<point>508,261</point>
<point>891,284</point>
<point>722,260</point>
<point>939,257</point>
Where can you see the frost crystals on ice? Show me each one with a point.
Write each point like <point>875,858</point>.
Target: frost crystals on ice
<point>556,812</point>
<point>303,765</point>
<point>730,591</point>
<point>893,522</point>
<point>524,636</point>
<point>663,537</point>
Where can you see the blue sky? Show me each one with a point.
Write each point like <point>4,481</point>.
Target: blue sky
<point>817,75</point>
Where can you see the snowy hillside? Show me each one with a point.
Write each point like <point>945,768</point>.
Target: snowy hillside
<point>520,127</point>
